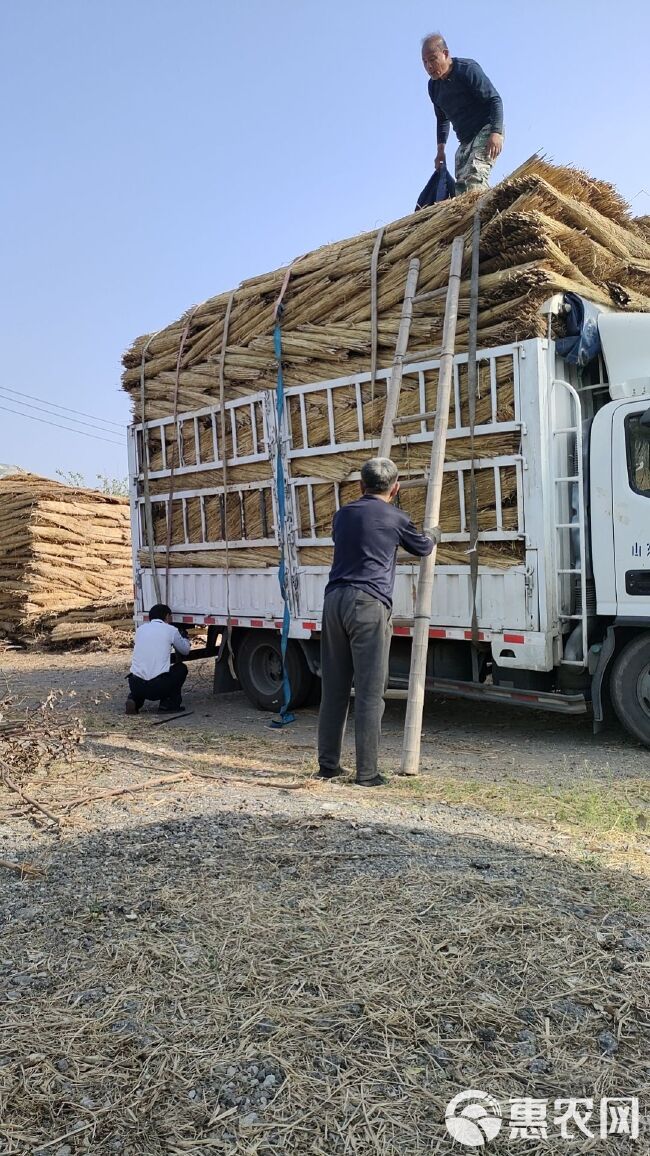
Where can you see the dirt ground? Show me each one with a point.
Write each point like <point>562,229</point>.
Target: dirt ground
<point>223,955</point>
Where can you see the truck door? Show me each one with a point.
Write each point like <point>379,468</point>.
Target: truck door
<point>631,508</point>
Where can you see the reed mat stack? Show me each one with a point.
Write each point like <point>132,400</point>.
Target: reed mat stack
<point>61,549</point>
<point>107,623</point>
<point>545,230</point>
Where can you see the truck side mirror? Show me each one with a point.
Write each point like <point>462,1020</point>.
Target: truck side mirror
<point>644,420</point>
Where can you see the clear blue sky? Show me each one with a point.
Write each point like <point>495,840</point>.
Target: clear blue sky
<point>157,152</point>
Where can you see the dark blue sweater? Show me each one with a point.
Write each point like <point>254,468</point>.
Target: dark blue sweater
<point>366,536</point>
<point>468,100</point>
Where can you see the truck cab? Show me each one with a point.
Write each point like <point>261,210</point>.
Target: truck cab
<point>619,519</point>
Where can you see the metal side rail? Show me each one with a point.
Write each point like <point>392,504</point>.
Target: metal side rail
<point>486,692</point>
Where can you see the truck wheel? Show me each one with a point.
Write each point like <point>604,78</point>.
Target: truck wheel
<point>630,687</point>
<point>259,668</point>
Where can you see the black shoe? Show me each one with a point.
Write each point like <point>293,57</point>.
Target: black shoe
<point>131,706</point>
<point>171,709</point>
<point>326,773</point>
<point>378,781</point>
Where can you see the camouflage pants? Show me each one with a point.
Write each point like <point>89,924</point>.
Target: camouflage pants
<point>473,166</point>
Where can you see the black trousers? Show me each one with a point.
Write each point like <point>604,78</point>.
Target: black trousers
<point>166,687</point>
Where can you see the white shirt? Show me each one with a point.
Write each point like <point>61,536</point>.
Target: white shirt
<point>153,647</point>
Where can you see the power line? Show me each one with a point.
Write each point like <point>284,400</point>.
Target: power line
<point>55,405</point>
<point>69,428</point>
<point>46,409</point>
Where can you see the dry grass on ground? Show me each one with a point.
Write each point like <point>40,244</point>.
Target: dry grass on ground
<point>294,986</point>
<point>219,965</point>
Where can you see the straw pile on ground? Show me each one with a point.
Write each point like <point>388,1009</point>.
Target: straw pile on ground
<point>108,622</point>
<point>544,230</point>
<point>61,549</point>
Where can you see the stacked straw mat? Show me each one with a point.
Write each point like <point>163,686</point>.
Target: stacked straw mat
<point>108,621</point>
<point>544,230</point>
<point>61,548</point>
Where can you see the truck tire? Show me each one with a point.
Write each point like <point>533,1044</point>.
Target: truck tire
<point>259,668</point>
<point>630,687</point>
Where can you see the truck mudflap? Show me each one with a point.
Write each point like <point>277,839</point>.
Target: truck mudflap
<point>486,692</point>
<point>602,659</point>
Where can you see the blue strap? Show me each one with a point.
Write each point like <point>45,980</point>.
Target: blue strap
<point>285,714</point>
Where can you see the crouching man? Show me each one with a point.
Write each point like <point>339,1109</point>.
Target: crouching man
<point>153,675</point>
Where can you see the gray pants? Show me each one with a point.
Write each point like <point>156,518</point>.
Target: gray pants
<point>355,644</point>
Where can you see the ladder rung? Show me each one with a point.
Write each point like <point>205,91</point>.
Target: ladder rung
<point>409,418</point>
<point>412,483</point>
<point>567,429</point>
<point>432,295</point>
<point>568,571</point>
<point>571,617</point>
<point>571,479</point>
<point>567,525</point>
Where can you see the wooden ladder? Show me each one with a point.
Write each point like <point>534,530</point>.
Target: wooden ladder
<point>422,618</point>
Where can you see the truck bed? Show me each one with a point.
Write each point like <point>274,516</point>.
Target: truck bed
<point>512,469</point>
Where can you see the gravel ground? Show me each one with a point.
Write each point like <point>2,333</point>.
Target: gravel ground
<point>454,730</point>
<point>239,959</point>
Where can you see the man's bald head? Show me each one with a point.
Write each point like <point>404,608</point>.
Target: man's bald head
<point>435,56</point>
<point>436,41</point>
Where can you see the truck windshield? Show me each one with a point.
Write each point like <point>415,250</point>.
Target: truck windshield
<point>637,436</point>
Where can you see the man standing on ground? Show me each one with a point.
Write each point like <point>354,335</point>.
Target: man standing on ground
<point>355,639</point>
<point>153,676</point>
<point>463,96</point>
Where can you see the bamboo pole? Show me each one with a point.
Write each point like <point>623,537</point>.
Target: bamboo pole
<point>472,386</point>
<point>394,383</point>
<point>413,721</point>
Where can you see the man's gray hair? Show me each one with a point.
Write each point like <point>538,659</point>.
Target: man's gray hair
<point>435,38</point>
<point>379,475</point>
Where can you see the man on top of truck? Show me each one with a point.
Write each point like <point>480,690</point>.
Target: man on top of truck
<point>464,97</point>
<point>357,625</point>
<point>153,676</point>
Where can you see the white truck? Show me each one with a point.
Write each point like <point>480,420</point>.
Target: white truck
<point>566,629</point>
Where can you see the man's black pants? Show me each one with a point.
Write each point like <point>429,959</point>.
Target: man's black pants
<point>166,687</point>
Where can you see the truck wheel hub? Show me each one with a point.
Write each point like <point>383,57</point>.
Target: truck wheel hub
<point>643,689</point>
<point>272,666</point>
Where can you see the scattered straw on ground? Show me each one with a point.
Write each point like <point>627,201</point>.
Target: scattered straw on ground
<point>279,985</point>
